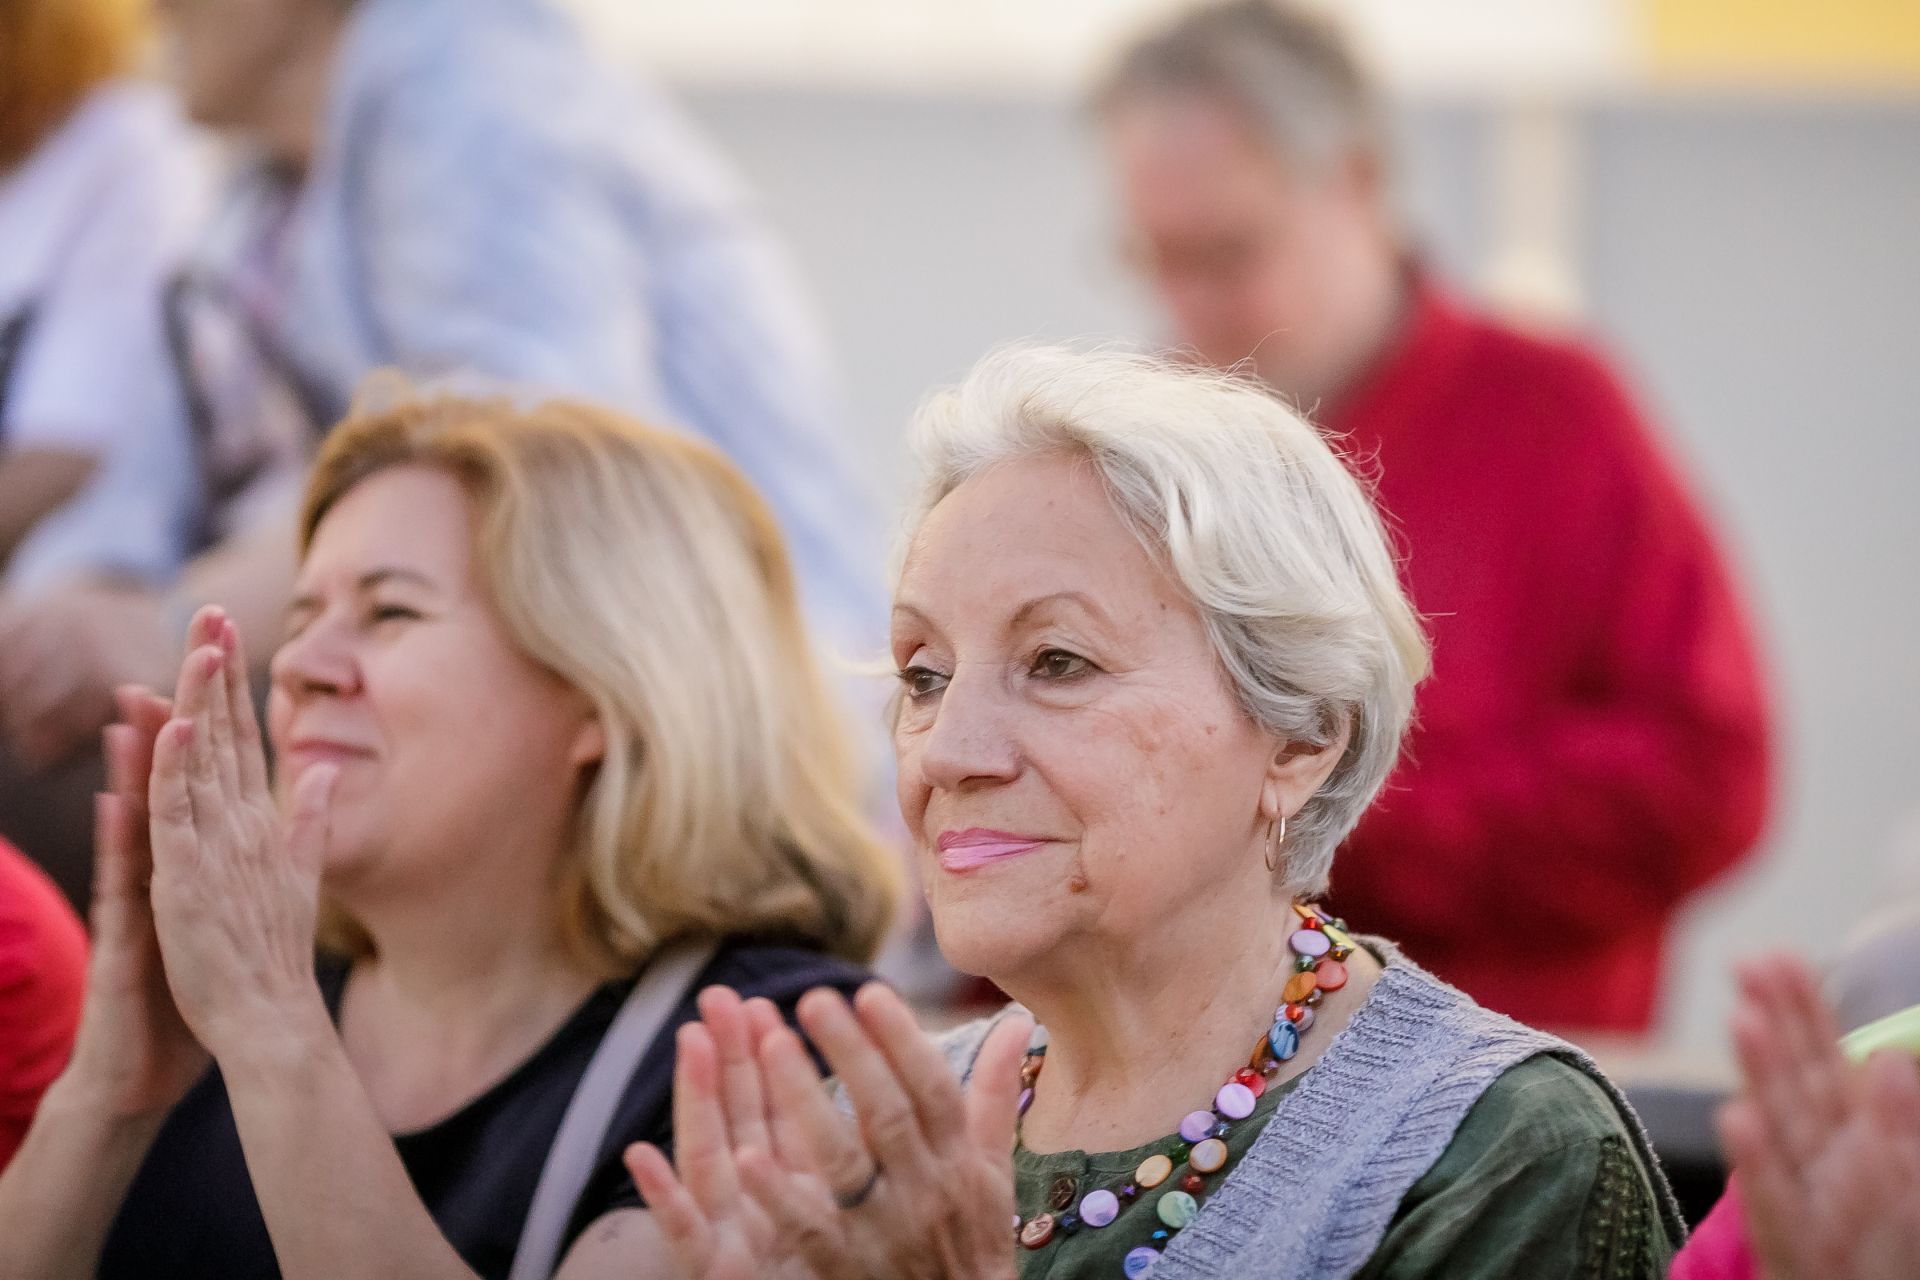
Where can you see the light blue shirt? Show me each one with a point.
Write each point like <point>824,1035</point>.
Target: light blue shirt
<point>491,198</point>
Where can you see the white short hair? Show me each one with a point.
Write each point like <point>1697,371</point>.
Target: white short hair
<point>1257,518</point>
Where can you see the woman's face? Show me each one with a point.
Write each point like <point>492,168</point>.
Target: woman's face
<point>1073,764</point>
<point>455,749</point>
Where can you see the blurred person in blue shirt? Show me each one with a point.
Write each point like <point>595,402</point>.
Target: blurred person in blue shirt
<point>460,189</point>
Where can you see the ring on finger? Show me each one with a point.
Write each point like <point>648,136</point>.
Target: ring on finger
<point>857,1197</point>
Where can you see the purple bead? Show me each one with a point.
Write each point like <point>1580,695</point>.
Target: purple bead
<point>1098,1208</point>
<point>1234,1101</point>
<point>1310,942</point>
<point>1305,1020</point>
<point>1026,1100</point>
<point>1139,1262</point>
<point>1196,1126</point>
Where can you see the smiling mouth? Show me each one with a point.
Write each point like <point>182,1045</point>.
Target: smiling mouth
<point>969,850</point>
<point>311,753</point>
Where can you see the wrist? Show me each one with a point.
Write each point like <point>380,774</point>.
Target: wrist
<point>82,1099</point>
<point>275,1046</point>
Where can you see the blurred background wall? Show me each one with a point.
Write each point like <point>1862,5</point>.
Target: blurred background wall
<point>1728,191</point>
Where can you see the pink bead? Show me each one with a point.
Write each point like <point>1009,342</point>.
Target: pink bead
<point>1234,1101</point>
<point>1309,942</point>
<point>1099,1208</point>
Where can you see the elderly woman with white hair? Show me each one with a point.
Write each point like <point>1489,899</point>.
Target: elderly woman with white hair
<point>1155,662</point>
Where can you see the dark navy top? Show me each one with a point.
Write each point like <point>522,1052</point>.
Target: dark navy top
<point>191,1210</point>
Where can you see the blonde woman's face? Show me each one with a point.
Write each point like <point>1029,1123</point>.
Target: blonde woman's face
<point>1074,768</point>
<point>460,758</point>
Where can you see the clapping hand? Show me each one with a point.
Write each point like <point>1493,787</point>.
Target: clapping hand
<point>918,1183</point>
<point>133,1053</point>
<point>235,886</point>
<point>1827,1152</point>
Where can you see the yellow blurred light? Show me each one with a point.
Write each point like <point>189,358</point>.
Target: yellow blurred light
<point>1873,42</point>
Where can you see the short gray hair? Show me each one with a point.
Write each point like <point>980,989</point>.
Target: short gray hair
<point>1256,517</point>
<point>1289,69</point>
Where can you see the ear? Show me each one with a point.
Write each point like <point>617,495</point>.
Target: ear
<point>1297,771</point>
<point>589,745</point>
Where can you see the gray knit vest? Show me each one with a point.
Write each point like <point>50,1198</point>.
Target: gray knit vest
<point>1312,1198</point>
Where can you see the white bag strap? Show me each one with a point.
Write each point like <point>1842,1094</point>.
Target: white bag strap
<point>583,1129</point>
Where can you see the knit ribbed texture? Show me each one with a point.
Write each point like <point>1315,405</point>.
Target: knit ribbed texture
<point>1314,1195</point>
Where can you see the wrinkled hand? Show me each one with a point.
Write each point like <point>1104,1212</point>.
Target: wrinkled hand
<point>62,656</point>
<point>1827,1152</point>
<point>920,1184</point>
<point>235,888</point>
<point>713,1228</point>
<point>133,1051</point>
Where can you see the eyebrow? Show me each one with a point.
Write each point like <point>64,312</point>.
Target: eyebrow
<point>374,577</point>
<point>1024,614</point>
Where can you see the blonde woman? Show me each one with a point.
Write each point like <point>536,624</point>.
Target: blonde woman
<point>544,712</point>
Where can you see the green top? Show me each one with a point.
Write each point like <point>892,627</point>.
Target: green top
<point>1540,1179</point>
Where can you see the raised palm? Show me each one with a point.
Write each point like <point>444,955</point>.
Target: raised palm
<point>133,1048</point>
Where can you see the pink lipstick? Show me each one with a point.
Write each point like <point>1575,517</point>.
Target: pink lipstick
<point>977,846</point>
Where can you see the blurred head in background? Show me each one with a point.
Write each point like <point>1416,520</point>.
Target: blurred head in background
<point>1250,154</point>
<point>52,54</point>
<point>258,68</point>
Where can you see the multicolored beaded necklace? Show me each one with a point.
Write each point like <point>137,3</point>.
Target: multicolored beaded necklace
<point>1320,946</point>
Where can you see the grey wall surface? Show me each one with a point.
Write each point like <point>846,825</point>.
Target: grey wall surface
<point>1759,267</point>
<point>1756,266</point>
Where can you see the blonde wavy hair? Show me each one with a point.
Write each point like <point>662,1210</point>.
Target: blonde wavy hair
<point>641,568</point>
<point>52,54</point>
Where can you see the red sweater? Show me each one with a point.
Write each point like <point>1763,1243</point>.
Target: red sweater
<point>43,975</point>
<point>1592,746</point>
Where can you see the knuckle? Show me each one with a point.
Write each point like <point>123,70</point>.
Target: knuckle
<point>890,1125</point>
<point>847,1168</point>
<point>811,1237</point>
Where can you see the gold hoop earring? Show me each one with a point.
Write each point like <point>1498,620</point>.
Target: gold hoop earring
<point>1275,841</point>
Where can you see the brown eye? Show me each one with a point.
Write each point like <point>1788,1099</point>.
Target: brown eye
<point>921,682</point>
<point>1058,664</point>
